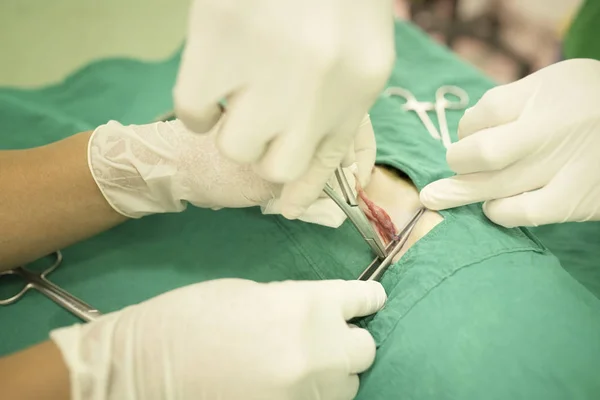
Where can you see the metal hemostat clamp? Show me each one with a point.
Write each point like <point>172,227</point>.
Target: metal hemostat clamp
<point>40,282</point>
<point>376,269</point>
<point>349,205</point>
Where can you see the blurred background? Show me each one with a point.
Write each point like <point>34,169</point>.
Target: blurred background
<point>507,39</point>
<point>43,41</point>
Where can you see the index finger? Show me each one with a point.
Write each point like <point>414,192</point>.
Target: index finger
<point>498,106</point>
<point>365,148</point>
<point>358,298</point>
<point>493,149</point>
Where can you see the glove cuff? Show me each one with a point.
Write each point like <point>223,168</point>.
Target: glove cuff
<point>135,169</point>
<point>86,351</point>
<point>66,339</point>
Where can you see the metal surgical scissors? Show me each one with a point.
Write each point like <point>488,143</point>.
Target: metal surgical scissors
<point>349,205</point>
<point>39,282</point>
<point>441,104</point>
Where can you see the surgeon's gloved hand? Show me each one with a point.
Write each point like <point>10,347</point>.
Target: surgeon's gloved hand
<point>227,339</point>
<point>530,150</point>
<point>297,77</point>
<point>161,167</point>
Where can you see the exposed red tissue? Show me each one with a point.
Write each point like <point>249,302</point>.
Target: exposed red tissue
<point>382,221</point>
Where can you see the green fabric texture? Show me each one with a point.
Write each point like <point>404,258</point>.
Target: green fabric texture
<point>581,40</point>
<point>475,311</point>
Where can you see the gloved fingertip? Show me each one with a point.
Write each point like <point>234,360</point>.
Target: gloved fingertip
<point>450,193</point>
<point>492,209</point>
<point>292,212</point>
<point>199,121</point>
<point>239,154</point>
<point>486,209</point>
<point>429,198</point>
<point>276,173</point>
<point>379,294</point>
<point>358,298</point>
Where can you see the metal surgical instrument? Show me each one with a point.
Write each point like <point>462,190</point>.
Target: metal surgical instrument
<point>349,205</point>
<point>376,269</point>
<point>40,282</point>
<point>441,104</point>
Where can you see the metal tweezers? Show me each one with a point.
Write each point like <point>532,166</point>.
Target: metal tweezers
<point>349,205</point>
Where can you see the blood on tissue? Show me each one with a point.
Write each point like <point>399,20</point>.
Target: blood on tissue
<point>382,221</point>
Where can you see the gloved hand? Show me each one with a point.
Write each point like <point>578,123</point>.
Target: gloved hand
<point>160,167</point>
<point>227,339</point>
<point>530,150</point>
<point>297,77</point>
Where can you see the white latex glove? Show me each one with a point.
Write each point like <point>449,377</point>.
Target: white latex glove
<point>297,76</point>
<point>227,339</point>
<point>530,150</point>
<point>160,167</point>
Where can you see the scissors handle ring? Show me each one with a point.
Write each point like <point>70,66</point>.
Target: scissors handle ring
<point>399,91</point>
<point>57,261</point>
<point>20,271</point>
<point>410,100</point>
<point>451,104</point>
<point>13,299</point>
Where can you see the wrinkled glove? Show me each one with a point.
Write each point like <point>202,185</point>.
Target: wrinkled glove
<point>297,77</point>
<point>161,167</point>
<point>530,150</point>
<point>227,339</point>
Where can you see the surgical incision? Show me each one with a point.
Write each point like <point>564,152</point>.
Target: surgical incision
<point>377,215</point>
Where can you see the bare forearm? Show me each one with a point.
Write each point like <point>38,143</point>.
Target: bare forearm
<point>49,200</point>
<point>38,373</point>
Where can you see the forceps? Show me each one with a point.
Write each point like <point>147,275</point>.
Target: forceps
<point>441,104</point>
<point>349,205</point>
<point>376,269</point>
<point>40,282</point>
